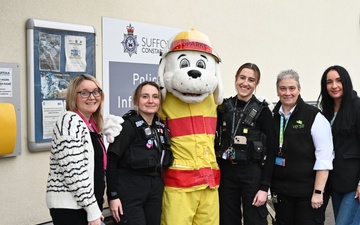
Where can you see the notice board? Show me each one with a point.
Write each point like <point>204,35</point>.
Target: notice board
<point>56,52</point>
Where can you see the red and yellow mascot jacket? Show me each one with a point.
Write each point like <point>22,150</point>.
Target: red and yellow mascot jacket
<point>192,131</point>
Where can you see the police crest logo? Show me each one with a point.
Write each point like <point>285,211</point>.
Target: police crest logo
<point>130,41</point>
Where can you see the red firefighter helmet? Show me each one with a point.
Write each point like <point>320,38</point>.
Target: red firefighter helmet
<point>192,40</point>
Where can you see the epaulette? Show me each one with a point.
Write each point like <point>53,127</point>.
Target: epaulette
<point>129,113</point>
<point>226,106</point>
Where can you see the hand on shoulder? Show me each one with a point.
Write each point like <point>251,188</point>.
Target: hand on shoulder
<point>112,127</point>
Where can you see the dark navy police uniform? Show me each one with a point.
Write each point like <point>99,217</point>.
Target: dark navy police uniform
<point>244,146</point>
<point>135,161</point>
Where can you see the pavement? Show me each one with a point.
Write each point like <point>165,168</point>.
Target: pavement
<point>329,215</point>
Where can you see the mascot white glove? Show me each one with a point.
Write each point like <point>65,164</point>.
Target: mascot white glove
<point>112,127</point>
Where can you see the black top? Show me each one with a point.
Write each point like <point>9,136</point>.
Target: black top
<point>297,177</point>
<point>118,153</point>
<point>264,123</point>
<point>99,173</point>
<point>346,173</point>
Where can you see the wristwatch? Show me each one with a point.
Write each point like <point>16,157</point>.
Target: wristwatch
<point>316,191</point>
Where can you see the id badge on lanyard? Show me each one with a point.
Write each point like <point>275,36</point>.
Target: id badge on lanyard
<point>280,158</point>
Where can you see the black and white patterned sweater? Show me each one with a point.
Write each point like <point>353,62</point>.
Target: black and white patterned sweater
<point>71,177</point>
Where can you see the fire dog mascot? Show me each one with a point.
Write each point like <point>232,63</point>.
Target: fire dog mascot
<point>190,78</point>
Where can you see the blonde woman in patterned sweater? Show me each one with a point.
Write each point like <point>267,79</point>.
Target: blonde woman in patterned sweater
<point>76,182</point>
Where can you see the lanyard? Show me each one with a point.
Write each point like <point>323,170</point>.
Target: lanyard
<point>282,129</point>
<point>93,128</point>
<point>333,119</point>
<point>234,130</point>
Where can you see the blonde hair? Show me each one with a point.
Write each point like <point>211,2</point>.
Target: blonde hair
<point>72,95</point>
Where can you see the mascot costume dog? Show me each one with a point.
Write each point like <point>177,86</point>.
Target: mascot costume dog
<point>190,79</point>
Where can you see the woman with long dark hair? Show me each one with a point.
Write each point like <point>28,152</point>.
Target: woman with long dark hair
<point>341,107</point>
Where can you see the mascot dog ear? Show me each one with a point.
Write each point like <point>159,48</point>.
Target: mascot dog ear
<point>219,91</point>
<point>161,71</point>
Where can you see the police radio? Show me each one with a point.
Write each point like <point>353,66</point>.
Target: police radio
<point>148,133</point>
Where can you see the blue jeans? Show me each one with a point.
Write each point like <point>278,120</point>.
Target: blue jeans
<point>346,208</point>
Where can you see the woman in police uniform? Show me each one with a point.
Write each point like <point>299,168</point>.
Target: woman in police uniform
<point>245,146</point>
<point>136,159</point>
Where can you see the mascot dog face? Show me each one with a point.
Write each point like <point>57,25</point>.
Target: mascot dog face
<point>191,74</point>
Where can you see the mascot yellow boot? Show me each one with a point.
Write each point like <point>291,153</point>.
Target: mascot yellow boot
<point>189,75</point>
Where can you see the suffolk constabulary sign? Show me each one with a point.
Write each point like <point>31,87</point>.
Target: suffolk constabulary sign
<point>131,55</point>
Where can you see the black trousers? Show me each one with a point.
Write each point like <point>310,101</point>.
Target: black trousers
<point>69,216</point>
<point>76,216</point>
<point>141,198</point>
<point>298,211</point>
<point>238,187</point>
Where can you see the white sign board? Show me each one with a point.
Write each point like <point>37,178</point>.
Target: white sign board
<point>131,55</point>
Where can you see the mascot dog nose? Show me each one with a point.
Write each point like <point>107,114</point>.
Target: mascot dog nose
<point>194,73</point>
